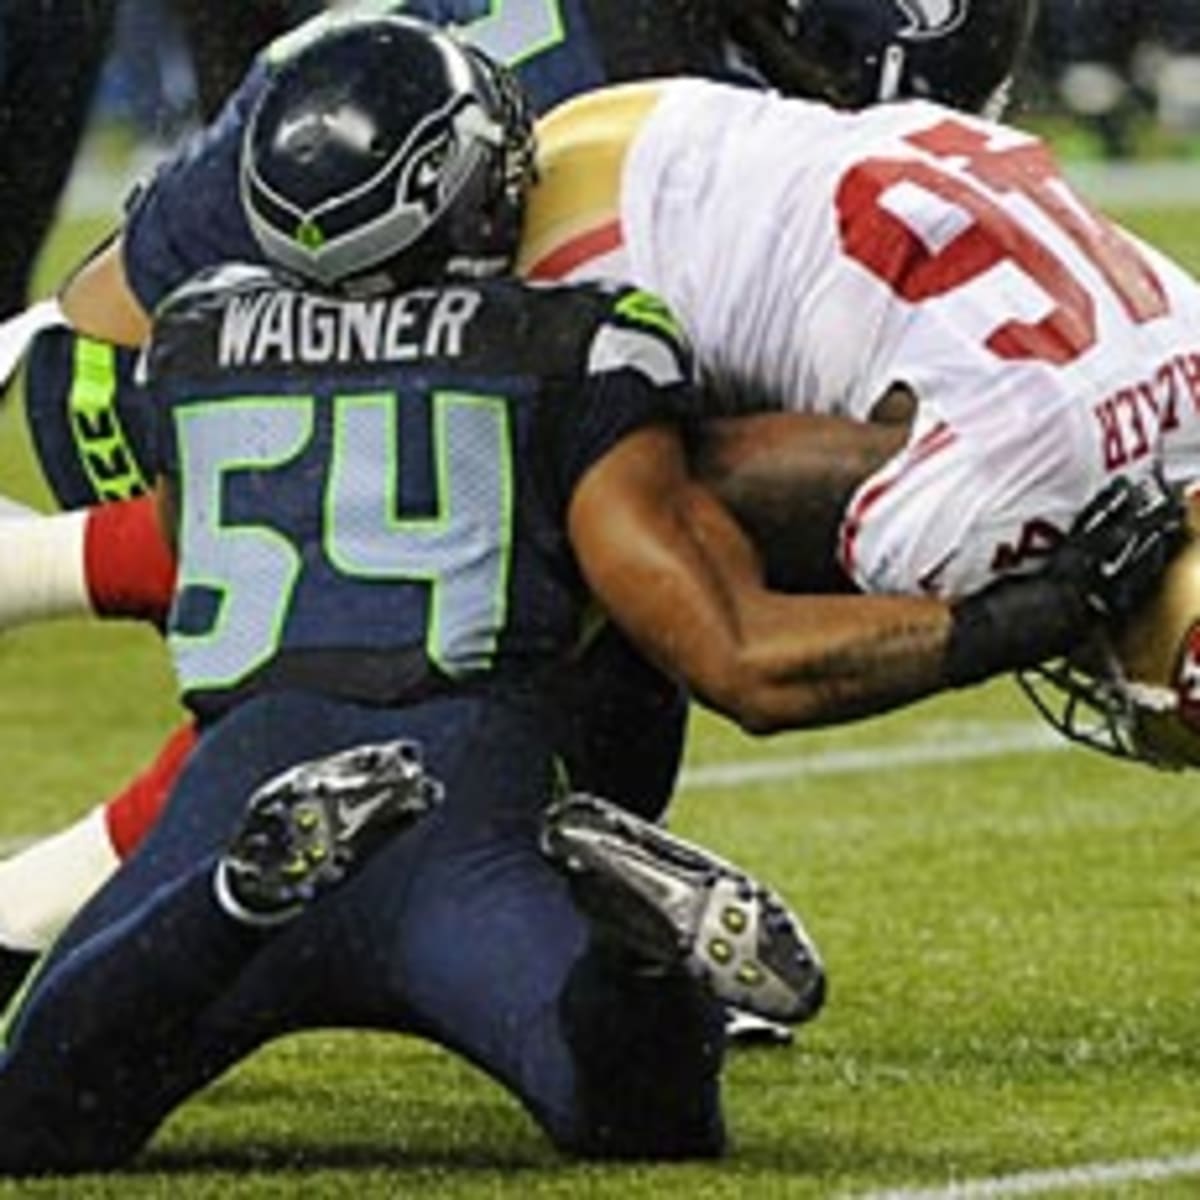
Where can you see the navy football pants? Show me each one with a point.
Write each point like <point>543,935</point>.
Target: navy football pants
<point>457,930</point>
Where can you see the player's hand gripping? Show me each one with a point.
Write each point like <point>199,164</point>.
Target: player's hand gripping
<point>1120,544</point>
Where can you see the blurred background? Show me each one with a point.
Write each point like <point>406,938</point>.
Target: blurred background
<point>1116,78</point>
<point>1113,84</point>
<point>1122,77</point>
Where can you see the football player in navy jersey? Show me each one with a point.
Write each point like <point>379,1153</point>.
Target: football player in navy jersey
<point>91,423</point>
<point>392,512</point>
<point>646,766</point>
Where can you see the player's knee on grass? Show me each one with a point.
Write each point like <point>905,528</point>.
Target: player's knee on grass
<point>90,423</point>
<point>57,1131</point>
<point>647,1049</point>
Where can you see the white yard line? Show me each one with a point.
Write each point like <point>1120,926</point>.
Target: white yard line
<point>1038,1183</point>
<point>954,746</point>
<point>980,742</point>
<point>956,743</point>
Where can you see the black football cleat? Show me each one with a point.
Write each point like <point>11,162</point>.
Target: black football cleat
<point>673,903</point>
<point>305,830</point>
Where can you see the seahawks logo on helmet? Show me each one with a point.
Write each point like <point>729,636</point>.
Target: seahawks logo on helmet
<point>331,240</point>
<point>440,155</point>
<point>929,19</point>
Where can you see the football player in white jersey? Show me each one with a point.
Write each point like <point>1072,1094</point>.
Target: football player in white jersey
<point>900,260</point>
<point>826,216</point>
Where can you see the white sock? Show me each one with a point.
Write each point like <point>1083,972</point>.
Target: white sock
<point>42,566</point>
<point>10,508</point>
<point>18,331</point>
<point>44,886</point>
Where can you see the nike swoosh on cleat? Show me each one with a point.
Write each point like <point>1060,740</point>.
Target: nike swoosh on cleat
<point>354,816</point>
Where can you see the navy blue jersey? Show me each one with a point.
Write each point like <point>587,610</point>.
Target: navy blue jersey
<point>188,217</point>
<point>372,494</point>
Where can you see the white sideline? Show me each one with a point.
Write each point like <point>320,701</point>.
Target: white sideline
<point>986,741</point>
<point>1036,1183</point>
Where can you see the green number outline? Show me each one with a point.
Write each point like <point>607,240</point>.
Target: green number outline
<point>443,523</point>
<point>439,536</point>
<point>276,544</point>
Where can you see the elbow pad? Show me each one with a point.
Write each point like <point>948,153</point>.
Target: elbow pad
<point>91,423</point>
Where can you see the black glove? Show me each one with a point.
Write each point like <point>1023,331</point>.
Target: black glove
<point>1119,546</point>
<point>1110,561</point>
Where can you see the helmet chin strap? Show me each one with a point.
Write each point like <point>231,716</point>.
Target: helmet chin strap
<point>891,78</point>
<point>740,60</point>
<point>999,100</point>
<point>891,73</point>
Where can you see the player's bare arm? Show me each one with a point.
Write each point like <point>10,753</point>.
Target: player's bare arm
<point>98,301</point>
<point>674,570</point>
<point>677,573</point>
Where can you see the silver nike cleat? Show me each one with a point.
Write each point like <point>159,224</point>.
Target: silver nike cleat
<point>674,903</point>
<point>306,829</point>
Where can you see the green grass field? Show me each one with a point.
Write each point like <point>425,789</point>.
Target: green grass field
<point>1013,941</point>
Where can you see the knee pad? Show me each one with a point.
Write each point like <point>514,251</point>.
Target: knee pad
<point>91,424</point>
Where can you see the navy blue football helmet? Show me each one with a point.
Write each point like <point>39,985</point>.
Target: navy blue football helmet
<point>852,53</point>
<point>384,152</point>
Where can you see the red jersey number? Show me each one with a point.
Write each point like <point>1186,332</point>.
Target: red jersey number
<point>897,255</point>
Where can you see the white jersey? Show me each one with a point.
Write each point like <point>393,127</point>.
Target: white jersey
<point>817,258</point>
